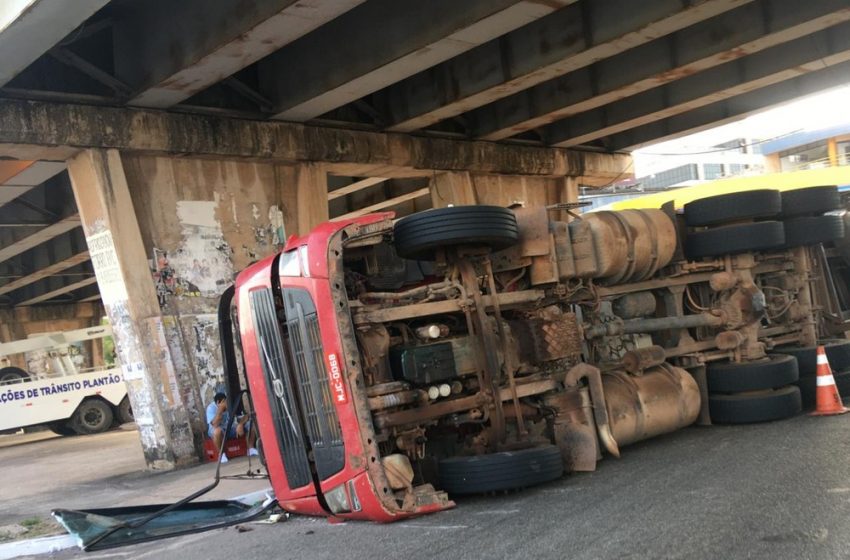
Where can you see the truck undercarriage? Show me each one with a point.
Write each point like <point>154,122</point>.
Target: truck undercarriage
<point>393,365</point>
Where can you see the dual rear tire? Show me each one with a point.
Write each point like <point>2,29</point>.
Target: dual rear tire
<point>762,220</point>
<point>757,391</point>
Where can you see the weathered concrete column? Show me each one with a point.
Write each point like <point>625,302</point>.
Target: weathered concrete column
<point>304,187</point>
<point>129,297</point>
<point>452,188</point>
<point>462,188</point>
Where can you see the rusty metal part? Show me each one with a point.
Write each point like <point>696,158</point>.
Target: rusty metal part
<point>699,374</point>
<point>663,399</point>
<point>509,365</point>
<point>437,409</point>
<point>639,359</point>
<point>573,428</point>
<point>419,292</point>
<point>632,306</point>
<point>429,412</point>
<point>375,345</point>
<point>597,395</point>
<point>835,322</point>
<point>395,399</point>
<point>548,337</point>
<point>507,300</point>
<point>526,410</point>
<point>729,340</point>
<point>722,281</point>
<point>386,388</point>
<point>489,362</point>
<point>682,279</point>
<point>355,377</point>
<point>627,246</point>
<point>412,442</point>
<point>633,326</point>
<point>563,250</point>
<point>544,269</point>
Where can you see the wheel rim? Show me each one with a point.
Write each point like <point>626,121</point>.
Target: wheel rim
<point>10,377</point>
<point>93,417</point>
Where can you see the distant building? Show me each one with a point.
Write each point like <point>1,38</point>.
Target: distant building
<point>812,149</point>
<point>739,156</point>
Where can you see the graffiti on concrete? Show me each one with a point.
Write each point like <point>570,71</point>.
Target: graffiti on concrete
<point>276,226</point>
<point>271,233</point>
<point>166,281</point>
<point>207,354</point>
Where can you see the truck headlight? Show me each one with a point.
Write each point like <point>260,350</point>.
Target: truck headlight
<point>337,500</point>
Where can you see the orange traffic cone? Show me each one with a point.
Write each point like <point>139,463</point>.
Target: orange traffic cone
<point>828,399</point>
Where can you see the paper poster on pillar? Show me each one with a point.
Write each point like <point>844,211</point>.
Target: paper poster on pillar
<point>107,269</point>
<point>203,260</point>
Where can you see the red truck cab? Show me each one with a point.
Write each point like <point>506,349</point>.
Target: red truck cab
<point>303,373</point>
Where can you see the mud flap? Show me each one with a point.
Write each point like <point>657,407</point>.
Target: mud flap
<point>98,529</point>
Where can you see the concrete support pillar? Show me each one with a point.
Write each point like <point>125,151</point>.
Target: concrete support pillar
<point>463,188</point>
<point>305,194</point>
<point>129,297</point>
<point>453,188</point>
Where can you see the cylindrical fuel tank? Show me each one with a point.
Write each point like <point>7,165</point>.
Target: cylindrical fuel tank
<point>631,245</point>
<point>663,399</point>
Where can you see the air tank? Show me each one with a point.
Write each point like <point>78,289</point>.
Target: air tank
<point>624,246</point>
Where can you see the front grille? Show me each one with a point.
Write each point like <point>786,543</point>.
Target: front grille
<point>305,343</point>
<point>279,389</point>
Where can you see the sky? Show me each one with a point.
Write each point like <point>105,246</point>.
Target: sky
<point>821,110</point>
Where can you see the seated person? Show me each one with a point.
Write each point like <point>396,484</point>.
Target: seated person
<point>217,419</point>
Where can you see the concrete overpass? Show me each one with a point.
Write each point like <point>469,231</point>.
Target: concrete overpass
<point>133,131</point>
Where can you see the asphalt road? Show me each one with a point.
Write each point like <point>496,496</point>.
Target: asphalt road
<point>775,491</point>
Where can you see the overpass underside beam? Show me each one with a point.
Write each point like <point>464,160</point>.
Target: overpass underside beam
<point>382,42</point>
<point>165,52</point>
<point>41,127</point>
<point>569,39</point>
<point>773,66</point>
<point>689,53</point>
<point>730,110</point>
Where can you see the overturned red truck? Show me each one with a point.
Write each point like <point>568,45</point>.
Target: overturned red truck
<point>395,365</point>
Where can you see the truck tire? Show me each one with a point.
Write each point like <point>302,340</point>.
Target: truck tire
<point>124,412</point>
<point>810,201</point>
<point>777,370</point>
<point>837,352</point>
<point>12,374</point>
<point>93,416</point>
<point>735,239</point>
<point>810,230</point>
<point>418,236</point>
<point>506,470</point>
<point>733,207</point>
<point>760,406</point>
<point>61,428</point>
